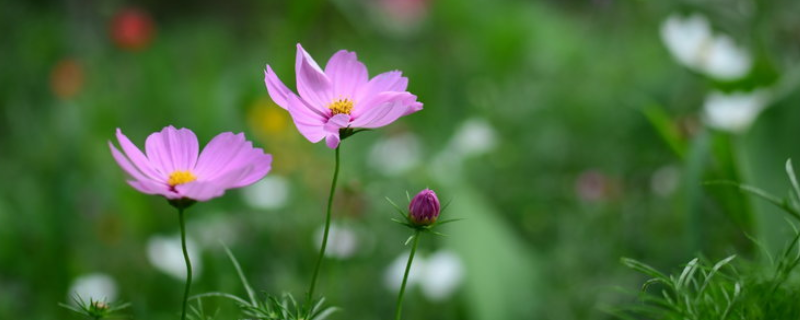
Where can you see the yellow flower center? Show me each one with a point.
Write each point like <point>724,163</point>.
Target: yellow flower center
<point>180,177</point>
<point>341,106</point>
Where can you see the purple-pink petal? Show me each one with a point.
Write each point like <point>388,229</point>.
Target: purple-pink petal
<point>220,154</point>
<point>137,158</point>
<point>207,189</point>
<point>337,122</point>
<point>228,154</point>
<point>413,107</point>
<point>383,108</point>
<point>312,83</point>
<point>276,89</point>
<point>126,164</point>
<point>346,73</point>
<point>261,165</point>
<point>387,81</point>
<point>153,187</point>
<point>332,140</point>
<point>309,123</point>
<point>332,128</point>
<point>200,190</point>
<point>172,149</point>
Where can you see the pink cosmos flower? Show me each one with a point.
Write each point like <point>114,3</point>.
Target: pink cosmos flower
<point>172,168</point>
<point>342,96</point>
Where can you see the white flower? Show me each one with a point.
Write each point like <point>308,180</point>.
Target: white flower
<point>342,241</point>
<point>733,112</point>
<point>393,277</point>
<point>395,155</point>
<point>272,192</point>
<point>692,42</point>
<point>95,286</point>
<point>665,180</point>
<point>443,274</point>
<point>215,228</point>
<point>438,275</point>
<point>474,137</point>
<point>166,255</point>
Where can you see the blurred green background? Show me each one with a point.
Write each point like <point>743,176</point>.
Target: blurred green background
<point>564,133</point>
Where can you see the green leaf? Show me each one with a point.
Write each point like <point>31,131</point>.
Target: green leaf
<point>666,128</point>
<point>780,203</point>
<point>792,178</point>
<point>245,283</point>
<point>646,269</point>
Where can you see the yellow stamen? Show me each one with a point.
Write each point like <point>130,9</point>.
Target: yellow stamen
<point>340,106</point>
<point>180,177</point>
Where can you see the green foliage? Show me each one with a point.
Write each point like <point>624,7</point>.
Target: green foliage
<point>568,87</point>
<point>728,289</point>
<point>269,307</point>
<point>96,309</point>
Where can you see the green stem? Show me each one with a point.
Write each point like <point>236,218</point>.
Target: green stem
<point>405,276</point>
<point>325,234</point>
<point>188,263</point>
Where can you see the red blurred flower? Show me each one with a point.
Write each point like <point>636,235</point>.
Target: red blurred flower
<point>592,185</point>
<point>132,29</point>
<point>66,78</point>
<point>405,12</point>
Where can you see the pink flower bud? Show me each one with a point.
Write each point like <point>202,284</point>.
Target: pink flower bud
<point>424,208</point>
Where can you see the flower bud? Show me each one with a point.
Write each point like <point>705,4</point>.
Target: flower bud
<point>424,208</point>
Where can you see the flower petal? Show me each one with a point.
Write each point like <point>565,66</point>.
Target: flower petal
<point>137,157</point>
<point>346,73</point>
<point>153,187</point>
<point>172,149</point>
<point>220,154</point>
<point>261,164</point>
<point>387,81</point>
<point>312,84</point>
<point>309,123</point>
<point>126,164</point>
<point>413,107</point>
<point>200,190</point>
<point>337,122</point>
<point>384,108</point>
<point>206,190</point>
<point>332,140</point>
<point>276,89</point>
<point>332,128</point>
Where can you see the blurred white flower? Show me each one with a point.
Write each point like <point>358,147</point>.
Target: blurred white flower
<point>166,255</point>
<point>442,275</point>
<point>215,228</point>
<point>692,42</point>
<point>272,192</point>
<point>342,241</point>
<point>393,277</point>
<point>95,286</point>
<point>665,180</point>
<point>474,137</point>
<point>438,275</point>
<point>733,112</point>
<point>395,155</point>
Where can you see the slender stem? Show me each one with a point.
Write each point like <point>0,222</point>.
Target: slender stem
<point>325,234</point>
<point>405,276</point>
<point>188,263</point>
